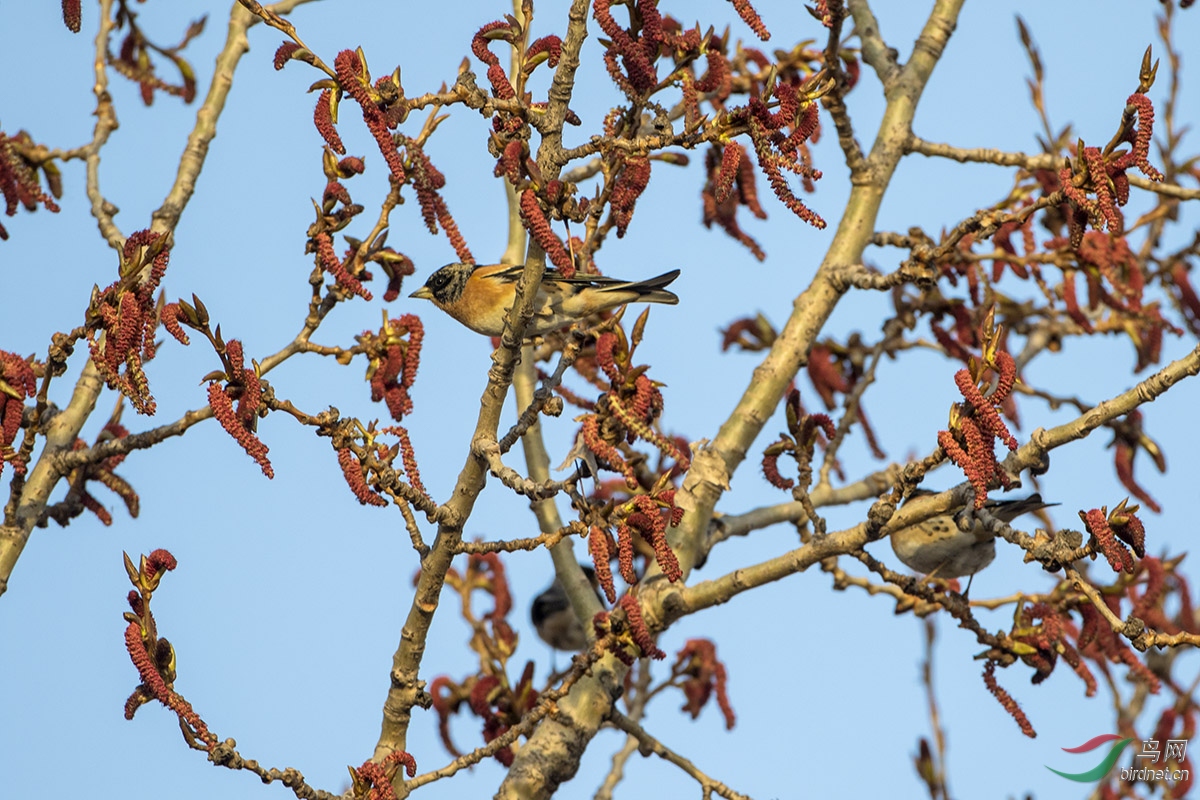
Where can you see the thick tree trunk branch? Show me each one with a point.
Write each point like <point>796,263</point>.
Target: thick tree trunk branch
<point>407,689</point>
<point>552,755</point>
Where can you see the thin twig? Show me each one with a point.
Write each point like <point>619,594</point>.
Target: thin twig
<point>647,745</point>
<point>854,400</point>
<point>937,781</point>
<point>106,123</point>
<point>985,155</point>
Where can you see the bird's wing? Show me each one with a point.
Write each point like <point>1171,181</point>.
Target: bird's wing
<point>553,276</point>
<point>602,282</point>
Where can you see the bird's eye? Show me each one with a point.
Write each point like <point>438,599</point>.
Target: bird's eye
<point>439,280</point>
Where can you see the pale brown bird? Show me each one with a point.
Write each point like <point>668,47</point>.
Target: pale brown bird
<point>937,548</point>
<point>480,296</point>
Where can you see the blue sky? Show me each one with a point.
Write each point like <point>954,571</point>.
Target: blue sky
<point>289,597</point>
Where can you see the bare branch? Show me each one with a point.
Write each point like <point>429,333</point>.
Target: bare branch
<point>1001,158</point>
<point>648,745</point>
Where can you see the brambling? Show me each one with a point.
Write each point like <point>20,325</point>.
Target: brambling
<point>555,620</point>
<point>938,548</point>
<point>480,296</point>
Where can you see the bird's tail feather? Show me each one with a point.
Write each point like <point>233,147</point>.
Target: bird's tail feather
<point>652,290</point>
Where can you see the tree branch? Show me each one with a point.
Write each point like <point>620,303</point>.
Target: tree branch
<point>407,689</point>
<point>712,466</point>
<point>677,602</point>
<point>552,754</point>
<point>647,744</point>
<point>875,50</point>
<point>64,428</point>
<point>106,123</point>
<point>1001,158</point>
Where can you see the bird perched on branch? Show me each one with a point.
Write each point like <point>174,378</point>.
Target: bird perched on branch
<point>938,548</point>
<point>555,620</point>
<point>480,296</point>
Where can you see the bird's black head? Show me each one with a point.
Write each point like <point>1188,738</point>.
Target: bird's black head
<point>446,285</point>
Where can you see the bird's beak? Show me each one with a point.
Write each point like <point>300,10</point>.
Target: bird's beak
<point>423,293</point>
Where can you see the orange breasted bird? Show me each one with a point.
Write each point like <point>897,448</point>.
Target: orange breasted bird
<point>480,296</point>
